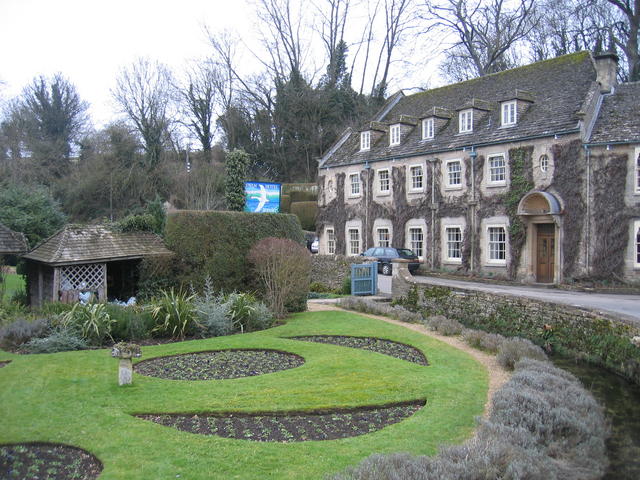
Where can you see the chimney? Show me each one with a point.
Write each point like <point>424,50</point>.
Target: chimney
<point>606,70</point>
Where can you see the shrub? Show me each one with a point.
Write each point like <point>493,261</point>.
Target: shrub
<point>318,287</point>
<point>543,425</point>
<point>216,244</point>
<point>513,349</point>
<point>21,331</point>
<point>213,313</point>
<point>443,325</point>
<point>130,322</point>
<point>306,212</point>
<point>174,314</point>
<point>138,223</point>
<point>91,321</point>
<point>365,305</point>
<point>482,340</point>
<point>346,285</point>
<point>283,267</point>
<point>59,341</point>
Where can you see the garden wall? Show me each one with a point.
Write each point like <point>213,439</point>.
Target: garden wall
<point>592,335</point>
<point>331,270</point>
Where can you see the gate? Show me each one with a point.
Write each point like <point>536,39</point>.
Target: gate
<point>364,278</point>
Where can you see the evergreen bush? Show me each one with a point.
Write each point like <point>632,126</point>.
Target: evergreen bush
<point>215,245</point>
<point>306,212</point>
<point>512,350</point>
<point>61,340</point>
<point>21,331</point>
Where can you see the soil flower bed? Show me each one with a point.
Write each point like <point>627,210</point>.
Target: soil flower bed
<point>4,364</point>
<point>218,365</point>
<point>378,345</point>
<point>290,426</point>
<point>47,461</point>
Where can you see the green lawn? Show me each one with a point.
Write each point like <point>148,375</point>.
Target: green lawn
<point>74,398</point>
<point>13,283</point>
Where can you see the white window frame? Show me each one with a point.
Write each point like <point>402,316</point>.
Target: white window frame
<point>509,113</point>
<point>465,121</point>
<point>331,241</point>
<point>544,163</point>
<point>411,242</point>
<point>365,140</point>
<point>491,170</point>
<point>491,257</point>
<point>636,244</point>
<point>449,173</point>
<point>394,135</point>
<point>387,182</point>
<point>447,244</point>
<point>380,241</point>
<point>412,178</point>
<point>355,188</point>
<point>353,241</point>
<point>428,129</point>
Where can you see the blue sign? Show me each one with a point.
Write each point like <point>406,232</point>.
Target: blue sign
<point>261,197</point>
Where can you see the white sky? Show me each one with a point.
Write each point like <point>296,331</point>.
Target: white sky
<point>89,41</point>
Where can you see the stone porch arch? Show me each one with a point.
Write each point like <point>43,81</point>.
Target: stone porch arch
<point>541,212</point>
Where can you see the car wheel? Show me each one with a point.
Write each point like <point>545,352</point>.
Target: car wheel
<point>386,269</point>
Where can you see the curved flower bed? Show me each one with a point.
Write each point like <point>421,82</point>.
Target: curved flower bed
<point>50,461</point>
<point>378,345</point>
<point>290,426</point>
<point>4,363</point>
<point>218,364</point>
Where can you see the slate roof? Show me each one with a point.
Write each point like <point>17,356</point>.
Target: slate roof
<point>96,243</point>
<point>619,119</point>
<point>11,242</point>
<point>558,88</point>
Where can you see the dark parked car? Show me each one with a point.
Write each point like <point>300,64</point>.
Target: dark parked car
<point>386,254</point>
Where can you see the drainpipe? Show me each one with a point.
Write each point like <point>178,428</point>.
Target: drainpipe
<point>472,155</point>
<point>588,237</point>
<point>365,233</point>
<point>433,212</point>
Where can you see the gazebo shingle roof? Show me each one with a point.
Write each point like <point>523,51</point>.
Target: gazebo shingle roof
<point>76,244</point>
<point>12,242</point>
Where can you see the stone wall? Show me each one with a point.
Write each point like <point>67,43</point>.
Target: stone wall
<point>331,270</point>
<point>602,338</point>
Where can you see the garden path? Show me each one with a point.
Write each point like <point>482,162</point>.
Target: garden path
<point>497,374</point>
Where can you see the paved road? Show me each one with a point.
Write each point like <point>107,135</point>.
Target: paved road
<point>624,306</point>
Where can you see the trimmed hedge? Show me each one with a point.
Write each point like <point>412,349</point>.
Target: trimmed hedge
<point>306,212</point>
<point>212,244</point>
<point>303,196</point>
<point>285,204</point>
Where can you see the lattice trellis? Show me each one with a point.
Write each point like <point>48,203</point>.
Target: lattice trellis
<point>89,277</point>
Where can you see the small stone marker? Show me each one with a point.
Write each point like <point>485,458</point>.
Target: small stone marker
<point>125,352</point>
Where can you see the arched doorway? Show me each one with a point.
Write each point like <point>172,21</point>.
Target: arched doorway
<point>541,211</point>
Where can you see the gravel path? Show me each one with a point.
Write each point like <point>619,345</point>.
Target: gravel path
<point>497,375</point>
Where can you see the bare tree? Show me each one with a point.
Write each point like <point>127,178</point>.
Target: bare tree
<point>333,21</point>
<point>398,20</point>
<point>625,34</point>
<point>484,32</point>
<point>144,92</point>
<point>199,98</point>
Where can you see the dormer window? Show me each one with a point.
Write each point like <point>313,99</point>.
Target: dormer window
<point>427,129</point>
<point>365,140</point>
<point>465,119</point>
<point>509,113</point>
<point>394,135</point>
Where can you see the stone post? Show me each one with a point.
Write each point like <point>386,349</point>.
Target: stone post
<point>125,352</point>
<point>400,277</point>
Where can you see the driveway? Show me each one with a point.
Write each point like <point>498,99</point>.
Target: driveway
<point>626,307</point>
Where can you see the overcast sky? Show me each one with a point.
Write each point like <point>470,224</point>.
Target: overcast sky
<point>89,41</point>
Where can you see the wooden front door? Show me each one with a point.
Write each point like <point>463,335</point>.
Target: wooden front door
<point>546,247</point>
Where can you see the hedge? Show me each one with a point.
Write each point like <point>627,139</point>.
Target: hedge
<point>215,245</point>
<point>302,196</point>
<point>306,212</point>
<point>285,204</point>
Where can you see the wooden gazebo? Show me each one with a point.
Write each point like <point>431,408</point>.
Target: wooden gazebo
<point>11,243</point>
<point>95,259</point>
